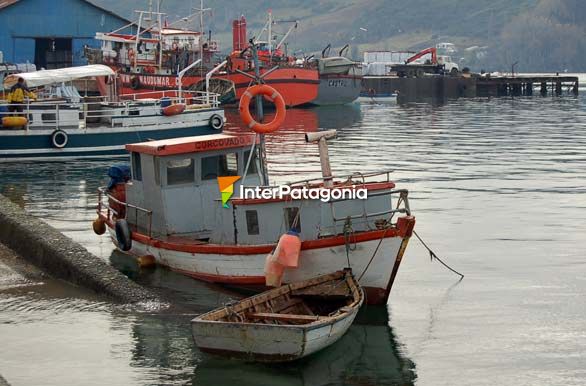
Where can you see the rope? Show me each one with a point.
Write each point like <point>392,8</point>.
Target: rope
<point>348,231</point>
<point>432,255</point>
<point>374,253</point>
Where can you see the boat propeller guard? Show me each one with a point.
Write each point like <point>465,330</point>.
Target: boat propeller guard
<point>273,96</point>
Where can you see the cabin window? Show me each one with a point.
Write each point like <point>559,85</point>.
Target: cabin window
<point>219,165</point>
<point>290,215</point>
<point>180,171</point>
<point>136,167</point>
<point>252,167</point>
<point>252,222</point>
<point>49,117</point>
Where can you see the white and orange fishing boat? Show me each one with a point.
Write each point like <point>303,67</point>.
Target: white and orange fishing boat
<point>174,210</point>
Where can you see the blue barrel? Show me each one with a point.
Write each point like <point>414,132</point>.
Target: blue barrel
<point>165,102</point>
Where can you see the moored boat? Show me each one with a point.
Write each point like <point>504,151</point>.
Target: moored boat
<point>163,57</point>
<point>340,81</point>
<point>174,211</point>
<point>285,323</point>
<point>62,124</point>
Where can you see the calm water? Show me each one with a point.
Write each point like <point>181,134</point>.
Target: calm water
<point>498,189</point>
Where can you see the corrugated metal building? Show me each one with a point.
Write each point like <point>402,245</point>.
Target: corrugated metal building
<point>52,33</point>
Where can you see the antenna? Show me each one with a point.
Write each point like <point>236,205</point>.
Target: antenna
<point>201,11</point>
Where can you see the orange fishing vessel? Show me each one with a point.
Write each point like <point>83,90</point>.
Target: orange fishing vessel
<point>161,57</point>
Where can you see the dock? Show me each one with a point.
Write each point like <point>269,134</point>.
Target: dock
<point>523,85</point>
<point>440,88</point>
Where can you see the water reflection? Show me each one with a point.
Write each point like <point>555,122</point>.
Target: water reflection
<point>497,187</point>
<point>367,355</point>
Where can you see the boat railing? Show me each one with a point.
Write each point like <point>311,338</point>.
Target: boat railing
<point>177,96</point>
<point>348,178</point>
<point>105,207</point>
<point>51,113</point>
<point>402,206</point>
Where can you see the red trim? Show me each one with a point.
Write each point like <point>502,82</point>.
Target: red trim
<point>191,144</point>
<point>368,186</point>
<point>404,229</point>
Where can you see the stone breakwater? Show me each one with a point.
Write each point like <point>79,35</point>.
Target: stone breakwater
<point>59,256</point>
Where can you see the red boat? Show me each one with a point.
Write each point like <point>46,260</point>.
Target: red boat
<point>162,57</point>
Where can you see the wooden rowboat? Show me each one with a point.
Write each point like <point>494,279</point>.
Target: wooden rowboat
<point>283,324</point>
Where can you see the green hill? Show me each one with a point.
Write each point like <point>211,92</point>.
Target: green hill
<point>490,34</point>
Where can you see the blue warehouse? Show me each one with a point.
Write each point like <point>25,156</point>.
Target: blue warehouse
<point>52,34</point>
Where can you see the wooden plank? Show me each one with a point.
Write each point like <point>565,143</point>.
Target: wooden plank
<point>328,289</point>
<point>282,317</point>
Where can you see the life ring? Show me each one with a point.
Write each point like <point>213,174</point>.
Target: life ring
<point>131,54</point>
<point>123,235</point>
<point>273,96</point>
<point>216,122</point>
<point>59,139</point>
<point>174,109</point>
<point>134,82</point>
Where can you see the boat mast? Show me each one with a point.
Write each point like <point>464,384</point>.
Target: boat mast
<point>201,11</point>
<point>260,116</point>
<point>270,33</point>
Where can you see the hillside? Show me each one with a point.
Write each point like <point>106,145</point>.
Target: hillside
<point>490,34</point>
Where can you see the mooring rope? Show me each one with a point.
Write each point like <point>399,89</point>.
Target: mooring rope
<point>432,255</point>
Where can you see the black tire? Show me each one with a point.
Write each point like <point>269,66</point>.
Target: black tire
<point>123,235</point>
<point>59,139</point>
<point>454,71</point>
<point>216,122</point>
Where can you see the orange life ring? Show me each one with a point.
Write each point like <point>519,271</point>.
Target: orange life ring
<point>130,54</point>
<point>273,96</point>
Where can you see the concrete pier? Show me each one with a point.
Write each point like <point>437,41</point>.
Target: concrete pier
<point>52,252</point>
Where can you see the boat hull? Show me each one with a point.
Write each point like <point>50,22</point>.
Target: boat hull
<point>337,89</point>
<point>225,265</point>
<point>298,86</point>
<point>36,144</point>
<point>269,343</point>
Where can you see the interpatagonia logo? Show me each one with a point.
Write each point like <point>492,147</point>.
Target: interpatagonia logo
<point>226,185</point>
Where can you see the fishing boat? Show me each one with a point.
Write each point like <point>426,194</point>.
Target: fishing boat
<point>283,324</point>
<point>340,79</point>
<point>178,210</point>
<point>62,123</point>
<point>161,56</point>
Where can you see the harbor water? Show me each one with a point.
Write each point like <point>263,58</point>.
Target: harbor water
<point>497,187</point>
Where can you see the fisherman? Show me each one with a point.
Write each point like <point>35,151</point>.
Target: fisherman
<point>16,96</point>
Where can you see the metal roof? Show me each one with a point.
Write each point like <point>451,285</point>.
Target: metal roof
<point>201,143</point>
<point>7,3</point>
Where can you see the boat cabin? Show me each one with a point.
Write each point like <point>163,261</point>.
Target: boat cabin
<point>174,195</point>
<point>60,106</point>
<point>176,181</point>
